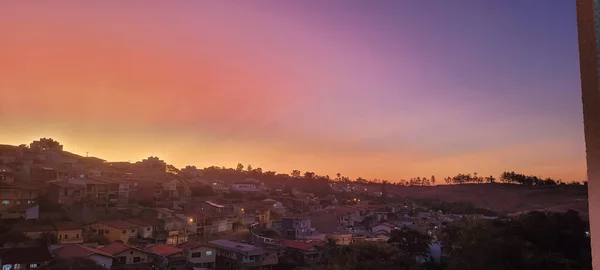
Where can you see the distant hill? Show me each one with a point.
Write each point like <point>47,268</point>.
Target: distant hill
<point>503,198</point>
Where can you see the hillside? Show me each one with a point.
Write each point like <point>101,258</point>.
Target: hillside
<point>502,198</point>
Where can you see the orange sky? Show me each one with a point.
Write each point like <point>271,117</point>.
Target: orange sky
<point>231,83</point>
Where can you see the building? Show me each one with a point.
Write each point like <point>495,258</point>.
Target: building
<point>213,207</point>
<point>145,229</point>
<point>17,194</point>
<point>21,211</point>
<point>167,257</point>
<point>296,227</point>
<point>65,193</point>
<point>128,257</point>
<point>241,256</point>
<point>69,232</point>
<point>199,255</point>
<point>116,230</point>
<point>24,257</point>
<point>71,251</point>
<point>306,253</point>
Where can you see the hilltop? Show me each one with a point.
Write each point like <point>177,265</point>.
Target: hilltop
<point>503,198</point>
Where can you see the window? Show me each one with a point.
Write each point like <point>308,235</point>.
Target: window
<point>18,202</point>
<point>33,265</point>
<point>7,267</point>
<point>196,254</point>
<point>66,236</point>
<point>5,202</point>
<point>147,228</point>
<point>59,236</point>
<point>106,231</point>
<point>209,253</point>
<point>132,230</point>
<point>77,236</point>
<point>124,231</point>
<point>122,260</point>
<point>137,259</point>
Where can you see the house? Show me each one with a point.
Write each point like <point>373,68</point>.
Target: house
<point>17,194</point>
<point>70,251</point>
<point>247,186</point>
<point>145,229</point>
<point>128,257</point>
<point>24,257</point>
<point>199,255</point>
<point>7,174</point>
<point>167,257</point>
<point>116,230</point>
<point>296,227</point>
<point>306,253</point>
<point>65,193</point>
<point>21,211</point>
<point>241,256</point>
<point>69,232</point>
<point>209,224</point>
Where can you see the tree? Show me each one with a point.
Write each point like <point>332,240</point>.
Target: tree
<point>535,240</point>
<point>296,173</point>
<point>240,167</point>
<point>249,168</point>
<point>365,256</point>
<point>47,238</point>
<point>433,180</point>
<point>411,241</point>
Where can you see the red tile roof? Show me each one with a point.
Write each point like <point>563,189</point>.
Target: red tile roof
<point>301,245</point>
<point>190,244</point>
<point>67,226</point>
<point>163,250</point>
<point>117,248</point>
<point>120,224</point>
<point>78,251</point>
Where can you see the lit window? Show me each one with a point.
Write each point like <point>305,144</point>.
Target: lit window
<point>209,253</point>
<point>5,202</point>
<point>7,267</point>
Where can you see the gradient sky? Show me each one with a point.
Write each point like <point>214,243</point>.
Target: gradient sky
<point>382,89</point>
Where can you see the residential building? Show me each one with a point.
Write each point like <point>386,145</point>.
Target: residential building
<point>241,256</point>
<point>128,257</point>
<point>16,194</point>
<point>167,257</point>
<point>35,231</point>
<point>116,230</point>
<point>212,207</point>
<point>21,211</point>
<point>145,229</point>
<point>69,232</point>
<point>71,251</point>
<point>24,257</point>
<point>199,255</point>
<point>296,227</point>
<point>305,253</point>
<point>66,193</point>
<point>7,174</point>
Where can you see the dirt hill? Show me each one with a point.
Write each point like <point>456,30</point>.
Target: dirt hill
<point>504,198</point>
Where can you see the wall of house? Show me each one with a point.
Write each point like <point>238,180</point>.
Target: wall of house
<point>114,234</point>
<point>70,236</point>
<point>102,260</point>
<point>33,212</point>
<point>131,254</point>
<point>204,256</point>
<point>146,232</point>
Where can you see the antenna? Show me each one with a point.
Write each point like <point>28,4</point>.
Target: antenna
<point>86,154</point>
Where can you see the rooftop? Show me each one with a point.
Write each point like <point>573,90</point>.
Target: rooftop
<point>78,251</point>
<point>302,245</point>
<point>245,249</point>
<point>118,248</point>
<point>163,250</point>
<point>214,204</point>
<point>120,224</point>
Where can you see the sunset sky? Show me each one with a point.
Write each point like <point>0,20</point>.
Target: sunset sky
<point>382,89</point>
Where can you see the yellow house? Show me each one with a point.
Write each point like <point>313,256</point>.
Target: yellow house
<point>68,233</point>
<point>116,230</point>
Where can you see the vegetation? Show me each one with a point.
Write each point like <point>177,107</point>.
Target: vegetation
<point>73,264</point>
<point>466,208</point>
<point>536,240</point>
<point>368,255</point>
